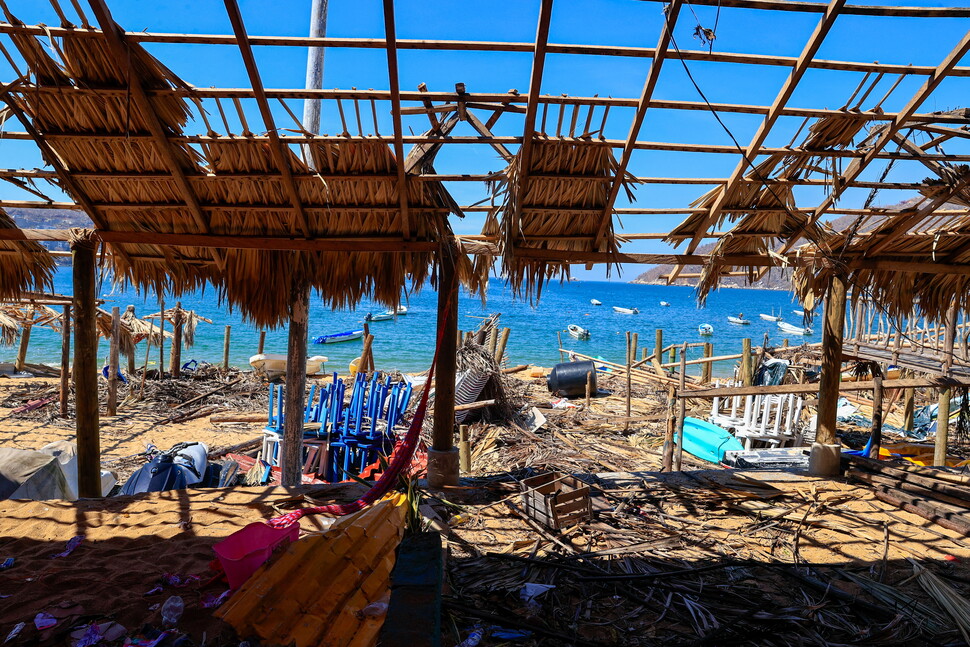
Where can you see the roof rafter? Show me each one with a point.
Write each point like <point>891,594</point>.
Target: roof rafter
<point>276,146</point>
<point>671,12</point>
<point>395,89</point>
<point>531,110</point>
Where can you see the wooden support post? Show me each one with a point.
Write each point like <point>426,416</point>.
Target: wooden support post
<point>65,359</point>
<point>262,342</point>
<point>562,355</point>
<point>706,367</point>
<point>131,363</point>
<point>634,345</point>
<point>113,363</point>
<point>681,410</point>
<point>24,341</point>
<point>909,408</point>
<point>943,412</point>
<point>502,341</point>
<point>291,452</point>
<point>589,388</point>
<point>876,417</point>
<point>86,370</point>
<point>366,363</point>
<point>464,449</point>
<point>672,357</point>
<point>175,356</point>
<point>446,370</point>
<point>629,378</point>
<point>824,461</point>
<point>144,369</point>
<point>658,345</point>
<point>747,378</point>
<point>492,341</point>
<point>668,446</point>
<point>225,347</point>
<point>161,340</point>
<point>784,343</point>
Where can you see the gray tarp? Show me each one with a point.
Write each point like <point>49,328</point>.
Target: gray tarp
<point>26,474</point>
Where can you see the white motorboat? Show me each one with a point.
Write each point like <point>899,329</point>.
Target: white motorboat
<point>626,311</point>
<point>596,302</point>
<point>383,316</point>
<point>772,316</point>
<point>737,321</point>
<point>577,332</point>
<point>793,330</point>
<point>401,311</point>
<point>664,304</point>
<point>800,313</point>
<point>273,365</point>
<point>347,335</point>
<point>705,329</point>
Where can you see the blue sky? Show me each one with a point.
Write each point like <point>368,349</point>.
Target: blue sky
<point>603,22</point>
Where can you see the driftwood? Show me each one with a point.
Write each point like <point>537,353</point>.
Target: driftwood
<point>208,393</point>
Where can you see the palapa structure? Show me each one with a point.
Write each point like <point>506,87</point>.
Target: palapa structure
<point>178,196</point>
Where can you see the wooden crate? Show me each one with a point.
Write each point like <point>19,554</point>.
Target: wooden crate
<point>556,500</point>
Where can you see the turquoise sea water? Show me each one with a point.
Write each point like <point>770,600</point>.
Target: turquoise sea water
<point>408,343</point>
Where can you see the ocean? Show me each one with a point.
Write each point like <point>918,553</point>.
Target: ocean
<point>407,344</point>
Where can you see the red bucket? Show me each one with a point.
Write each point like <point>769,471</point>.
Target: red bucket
<point>244,551</point>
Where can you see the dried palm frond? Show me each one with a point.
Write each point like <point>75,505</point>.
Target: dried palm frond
<point>955,604</point>
<point>24,265</point>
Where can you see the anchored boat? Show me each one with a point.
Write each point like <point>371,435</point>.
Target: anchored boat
<point>705,329</point>
<point>664,304</point>
<point>626,311</point>
<point>383,316</point>
<point>347,335</point>
<point>596,302</point>
<point>771,317</point>
<point>737,321</point>
<point>577,332</point>
<point>793,330</point>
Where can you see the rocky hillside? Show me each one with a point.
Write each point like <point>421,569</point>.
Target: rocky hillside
<point>49,219</point>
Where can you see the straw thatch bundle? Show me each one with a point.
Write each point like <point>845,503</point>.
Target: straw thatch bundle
<point>24,265</point>
<point>256,281</point>
<point>14,316</point>
<point>9,329</point>
<point>126,340</point>
<point>934,238</point>
<point>549,218</point>
<point>759,232</point>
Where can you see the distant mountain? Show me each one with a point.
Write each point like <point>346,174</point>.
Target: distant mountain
<point>775,279</point>
<point>50,219</point>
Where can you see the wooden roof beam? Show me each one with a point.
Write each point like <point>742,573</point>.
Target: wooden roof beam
<point>531,111</point>
<point>774,112</point>
<point>277,149</point>
<point>858,165</point>
<point>395,89</point>
<point>653,75</point>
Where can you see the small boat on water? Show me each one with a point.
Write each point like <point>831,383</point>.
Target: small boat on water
<point>738,321</point>
<point>664,304</point>
<point>793,330</point>
<point>577,332</point>
<point>596,302</point>
<point>800,313</point>
<point>707,441</point>
<point>401,311</point>
<point>705,329</point>
<point>347,335</point>
<point>626,311</point>
<point>273,365</point>
<point>772,316</point>
<point>383,316</point>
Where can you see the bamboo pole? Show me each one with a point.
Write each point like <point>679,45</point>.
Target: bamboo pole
<point>658,344</point>
<point>668,446</point>
<point>144,369</point>
<point>706,367</point>
<point>175,355</point>
<point>589,388</point>
<point>24,341</point>
<point>681,412</point>
<point>562,355</point>
<point>629,378</point>
<point>86,370</point>
<point>503,340</point>
<point>161,339</point>
<point>225,348</point>
<point>876,416</point>
<point>65,360</point>
<point>464,449</point>
<point>262,342</point>
<point>943,412</point>
<point>291,452</point>
<point>113,364</point>
<point>747,379</point>
<point>492,341</point>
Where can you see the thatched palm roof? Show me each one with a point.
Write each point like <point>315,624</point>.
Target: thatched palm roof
<point>252,280</point>
<point>24,265</point>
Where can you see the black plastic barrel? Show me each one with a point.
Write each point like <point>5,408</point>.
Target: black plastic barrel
<point>569,379</point>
